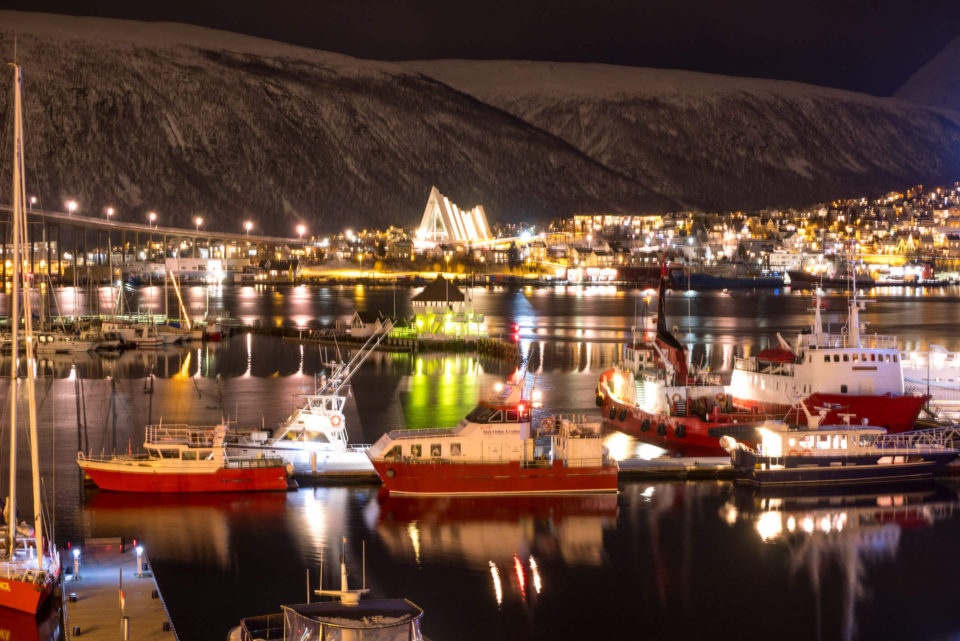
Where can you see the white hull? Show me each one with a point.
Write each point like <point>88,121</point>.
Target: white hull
<point>328,462</point>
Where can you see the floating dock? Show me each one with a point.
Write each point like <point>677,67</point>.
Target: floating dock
<point>108,599</point>
<point>701,467</point>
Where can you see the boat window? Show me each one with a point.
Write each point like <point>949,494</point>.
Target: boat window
<point>873,357</point>
<point>317,437</point>
<point>484,414</point>
<point>887,358</point>
<point>395,452</point>
<point>416,450</point>
<point>292,435</point>
<point>894,358</point>
<point>205,455</point>
<point>454,449</point>
<point>846,358</point>
<point>843,389</point>
<point>807,441</point>
<point>826,358</point>
<point>863,357</point>
<point>189,455</point>
<point>836,358</point>
<point>855,358</point>
<point>512,416</point>
<point>867,440</point>
<point>435,450</point>
<point>823,442</point>
<point>170,453</point>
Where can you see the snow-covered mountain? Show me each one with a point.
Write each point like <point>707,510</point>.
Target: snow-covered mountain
<point>185,121</point>
<point>720,142</point>
<point>190,121</point>
<point>937,83</point>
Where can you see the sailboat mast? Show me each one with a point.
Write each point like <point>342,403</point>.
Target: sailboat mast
<point>20,209</point>
<point>14,319</point>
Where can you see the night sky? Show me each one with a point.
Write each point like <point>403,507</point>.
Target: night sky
<point>865,45</point>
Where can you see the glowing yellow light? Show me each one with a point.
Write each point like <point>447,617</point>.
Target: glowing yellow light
<point>497,588</point>
<point>769,525</point>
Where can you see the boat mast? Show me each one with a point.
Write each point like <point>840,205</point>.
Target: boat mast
<point>20,209</point>
<point>14,319</point>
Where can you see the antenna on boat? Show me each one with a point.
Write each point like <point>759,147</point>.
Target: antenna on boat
<point>347,596</point>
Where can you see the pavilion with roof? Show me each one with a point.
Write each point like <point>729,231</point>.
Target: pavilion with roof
<point>444,312</point>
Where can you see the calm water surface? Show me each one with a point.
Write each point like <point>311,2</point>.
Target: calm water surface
<point>661,560</point>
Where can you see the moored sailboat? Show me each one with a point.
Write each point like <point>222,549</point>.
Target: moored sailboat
<point>29,564</point>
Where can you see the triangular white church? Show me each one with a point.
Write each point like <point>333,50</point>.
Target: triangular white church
<point>444,222</point>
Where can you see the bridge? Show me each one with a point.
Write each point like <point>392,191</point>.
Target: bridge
<point>61,241</point>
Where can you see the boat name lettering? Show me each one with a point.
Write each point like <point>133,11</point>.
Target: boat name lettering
<point>498,431</point>
<point>4,586</point>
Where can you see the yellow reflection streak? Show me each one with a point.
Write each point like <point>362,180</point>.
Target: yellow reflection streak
<point>414,533</point>
<point>497,588</point>
<point>535,571</point>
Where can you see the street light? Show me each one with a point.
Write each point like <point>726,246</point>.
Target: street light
<point>151,216</point>
<point>110,212</point>
<point>300,230</point>
<point>248,226</point>
<point>71,206</point>
<point>33,201</point>
<point>198,221</point>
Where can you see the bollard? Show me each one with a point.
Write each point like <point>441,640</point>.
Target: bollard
<point>313,463</point>
<point>76,630</point>
<point>166,626</point>
<point>154,594</point>
<point>73,597</point>
<point>125,628</point>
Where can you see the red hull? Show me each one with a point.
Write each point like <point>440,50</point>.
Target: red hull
<point>892,412</point>
<point>489,478</point>
<point>696,436</point>
<point>23,596</point>
<point>223,480</point>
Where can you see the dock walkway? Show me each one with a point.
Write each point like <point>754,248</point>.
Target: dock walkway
<point>93,603</point>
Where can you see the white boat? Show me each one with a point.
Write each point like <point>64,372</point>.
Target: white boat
<point>29,561</point>
<point>60,343</point>
<point>936,372</point>
<point>314,438</point>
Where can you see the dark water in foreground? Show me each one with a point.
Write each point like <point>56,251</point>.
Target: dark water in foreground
<point>661,560</point>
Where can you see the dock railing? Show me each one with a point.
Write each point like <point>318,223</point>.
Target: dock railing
<point>934,438</point>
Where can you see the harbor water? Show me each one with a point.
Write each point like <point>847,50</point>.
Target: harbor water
<point>665,560</point>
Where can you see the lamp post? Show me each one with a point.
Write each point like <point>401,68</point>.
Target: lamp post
<point>248,226</point>
<point>71,206</point>
<point>198,221</point>
<point>300,230</point>
<point>139,561</point>
<point>33,201</point>
<point>152,216</point>
<point>76,564</point>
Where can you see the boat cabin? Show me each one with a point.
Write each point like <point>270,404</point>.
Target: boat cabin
<point>778,440</point>
<point>369,620</point>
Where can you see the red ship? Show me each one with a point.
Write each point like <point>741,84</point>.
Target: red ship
<point>851,377</point>
<point>179,458</point>
<point>658,400</point>
<point>497,450</point>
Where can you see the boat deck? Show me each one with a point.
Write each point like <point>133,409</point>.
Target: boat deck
<point>96,610</point>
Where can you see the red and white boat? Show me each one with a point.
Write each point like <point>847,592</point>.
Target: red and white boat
<point>851,376</point>
<point>29,562</point>
<point>496,450</point>
<point>180,458</point>
<point>654,397</point>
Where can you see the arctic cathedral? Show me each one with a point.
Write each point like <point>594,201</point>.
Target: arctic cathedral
<point>444,222</point>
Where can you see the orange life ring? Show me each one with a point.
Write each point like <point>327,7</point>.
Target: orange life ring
<point>792,452</point>
<point>335,420</point>
<point>676,397</point>
<point>805,453</point>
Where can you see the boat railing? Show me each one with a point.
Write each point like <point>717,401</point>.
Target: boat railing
<point>751,364</point>
<point>838,341</point>
<point>935,438</point>
<point>268,627</point>
<point>359,447</point>
<point>426,431</point>
<point>182,434</point>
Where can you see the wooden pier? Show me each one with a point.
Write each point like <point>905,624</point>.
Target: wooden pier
<point>108,600</point>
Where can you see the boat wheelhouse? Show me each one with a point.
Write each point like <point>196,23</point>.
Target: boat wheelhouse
<point>180,458</point>
<point>497,449</point>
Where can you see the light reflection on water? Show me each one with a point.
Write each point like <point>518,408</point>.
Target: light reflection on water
<point>657,551</point>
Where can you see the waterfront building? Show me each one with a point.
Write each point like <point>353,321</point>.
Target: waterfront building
<point>444,312</point>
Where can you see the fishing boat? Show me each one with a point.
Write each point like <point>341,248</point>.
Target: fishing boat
<point>497,449</point>
<point>180,458</point>
<point>62,343</point>
<point>313,440</point>
<point>852,372</point>
<point>655,396</point>
<point>29,561</point>
<point>838,454</point>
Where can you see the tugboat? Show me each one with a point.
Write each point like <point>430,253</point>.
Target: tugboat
<point>838,454</point>
<point>497,450</point>
<point>656,398</point>
<point>847,373</point>
<point>180,458</point>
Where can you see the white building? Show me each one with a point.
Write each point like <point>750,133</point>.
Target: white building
<point>444,222</point>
